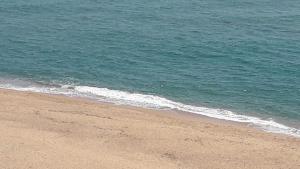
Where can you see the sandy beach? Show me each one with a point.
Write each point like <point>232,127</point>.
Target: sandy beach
<point>40,131</point>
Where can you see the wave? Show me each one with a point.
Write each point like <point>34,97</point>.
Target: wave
<point>146,101</point>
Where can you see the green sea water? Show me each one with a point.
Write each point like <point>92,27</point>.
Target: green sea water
<point>239,56</point>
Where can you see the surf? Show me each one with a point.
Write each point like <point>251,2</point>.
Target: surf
<point>147,101</point>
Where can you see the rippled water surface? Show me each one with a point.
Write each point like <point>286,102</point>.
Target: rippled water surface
<point>242,56</point>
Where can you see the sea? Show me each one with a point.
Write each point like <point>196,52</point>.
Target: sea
<point>232,60</point>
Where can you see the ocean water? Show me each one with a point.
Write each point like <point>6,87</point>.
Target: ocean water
<point>232,60</point>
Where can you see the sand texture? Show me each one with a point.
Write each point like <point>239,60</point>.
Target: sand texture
<point>41,131</point>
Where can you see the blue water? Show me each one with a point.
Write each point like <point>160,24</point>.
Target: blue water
<point>241,56</point>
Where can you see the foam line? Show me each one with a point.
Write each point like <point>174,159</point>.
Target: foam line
<point>150,101</point>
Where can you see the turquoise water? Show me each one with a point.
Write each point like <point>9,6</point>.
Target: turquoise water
<point>231,57</point>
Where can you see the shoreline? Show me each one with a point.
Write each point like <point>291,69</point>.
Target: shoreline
<point>145,101</point>
<point>52,131</point>
<point>170,112</point>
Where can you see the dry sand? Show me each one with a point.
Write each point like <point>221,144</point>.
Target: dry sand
<point>55,132</point>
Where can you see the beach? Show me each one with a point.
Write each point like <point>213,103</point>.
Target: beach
<point>145,84</point>
<point>57,132</point>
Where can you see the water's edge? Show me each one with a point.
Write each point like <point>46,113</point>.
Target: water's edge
<point>147,101</point>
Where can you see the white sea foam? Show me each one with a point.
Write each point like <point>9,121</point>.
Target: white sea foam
<point>151,101</point>
<point>155,102</point>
